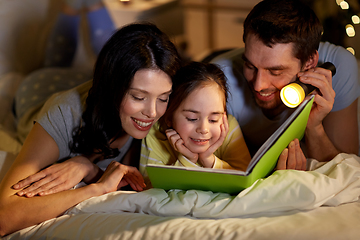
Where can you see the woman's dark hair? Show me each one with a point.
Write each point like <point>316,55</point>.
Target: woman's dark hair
<point>188,79</point>
<point>285,21</point>
<point>132,48</point>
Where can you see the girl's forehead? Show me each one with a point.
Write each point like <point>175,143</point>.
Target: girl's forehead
<point>204,97</point>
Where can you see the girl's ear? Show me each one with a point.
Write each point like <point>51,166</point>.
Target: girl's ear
<point>312,62</point>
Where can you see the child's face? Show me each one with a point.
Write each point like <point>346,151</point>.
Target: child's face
<point>198,118</point>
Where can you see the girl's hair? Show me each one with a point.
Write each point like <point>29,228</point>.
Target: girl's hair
<point>132,48</point>
<point>188,79</point>
<point>285,21</point>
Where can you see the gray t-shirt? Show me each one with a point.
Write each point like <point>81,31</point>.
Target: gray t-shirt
<point>61,114</point>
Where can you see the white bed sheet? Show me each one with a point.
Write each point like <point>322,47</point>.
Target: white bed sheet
<point>320,204</point>
<point>336,223</point>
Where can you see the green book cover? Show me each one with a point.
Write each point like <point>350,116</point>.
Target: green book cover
<point>232,181</point>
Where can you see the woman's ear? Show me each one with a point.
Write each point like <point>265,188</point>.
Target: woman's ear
<point>312,62</point>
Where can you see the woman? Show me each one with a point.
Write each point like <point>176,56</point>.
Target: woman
<point>128,94</point>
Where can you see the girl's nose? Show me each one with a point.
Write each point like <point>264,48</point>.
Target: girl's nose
<point>203,128</point>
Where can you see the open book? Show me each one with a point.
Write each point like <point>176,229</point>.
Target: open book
<point>231,181</point>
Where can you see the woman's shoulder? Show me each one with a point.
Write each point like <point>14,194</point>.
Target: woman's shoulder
<point>69,98</point>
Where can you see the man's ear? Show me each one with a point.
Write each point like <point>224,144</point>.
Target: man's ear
<point>312,62</point>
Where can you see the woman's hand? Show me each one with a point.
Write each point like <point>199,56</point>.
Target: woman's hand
<point>207,158</point>
<point>178,144</point>
<point>57,177</point>
<point>118,175</point>
<point>292,157</point>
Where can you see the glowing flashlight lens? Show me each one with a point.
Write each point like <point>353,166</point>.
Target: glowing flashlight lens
<point>292,95</point>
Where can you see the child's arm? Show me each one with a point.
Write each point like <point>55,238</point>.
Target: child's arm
<point>178,145</point>
<point>156,149</point>
<point>233,153</point>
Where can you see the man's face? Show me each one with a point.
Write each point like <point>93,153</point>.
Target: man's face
<point>267,70</point>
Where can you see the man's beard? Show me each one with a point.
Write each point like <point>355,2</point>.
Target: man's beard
<point>272,108</point>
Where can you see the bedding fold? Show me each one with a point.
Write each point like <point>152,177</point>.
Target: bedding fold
<point>331,184</point>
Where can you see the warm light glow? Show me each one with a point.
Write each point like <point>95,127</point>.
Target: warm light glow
<point>292,95</point>
<point>350,31</point>
<point>339,1</point>
<point>350,49</point>
<point>355,19</point>
<point>344,5</point>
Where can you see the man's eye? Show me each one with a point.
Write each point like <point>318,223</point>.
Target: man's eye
<point>275,73</point>
<point>249,66</point>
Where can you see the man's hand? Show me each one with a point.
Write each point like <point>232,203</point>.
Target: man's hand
<point>325,97</point>
<point>292,157</point>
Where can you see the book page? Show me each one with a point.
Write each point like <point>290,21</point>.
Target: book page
<point>275,136</point>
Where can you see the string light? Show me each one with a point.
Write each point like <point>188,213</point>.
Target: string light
<point>355,19</point>
<point>350,49</point>
<point>350,31</point>
<point>344,5</point>
<point>338,2</point>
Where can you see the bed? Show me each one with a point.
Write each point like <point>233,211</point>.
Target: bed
<point>319,204</point>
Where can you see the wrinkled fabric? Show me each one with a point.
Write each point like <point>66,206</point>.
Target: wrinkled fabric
<point>330,184</point>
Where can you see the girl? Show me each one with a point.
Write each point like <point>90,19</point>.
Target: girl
<point>129,92</point>
<point>195,130</point>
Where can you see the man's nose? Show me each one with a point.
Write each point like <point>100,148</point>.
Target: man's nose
<point>260,81</point>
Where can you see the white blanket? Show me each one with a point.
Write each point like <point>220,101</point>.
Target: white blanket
<point>331,184</point>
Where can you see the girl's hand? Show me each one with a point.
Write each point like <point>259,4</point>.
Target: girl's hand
<point>207,158</point>
<point>292,157</point>
<point>118,175</point>
<point>56,178</point>
<point>178,144</point>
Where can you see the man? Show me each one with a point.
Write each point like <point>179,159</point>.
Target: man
<point>282,43</point>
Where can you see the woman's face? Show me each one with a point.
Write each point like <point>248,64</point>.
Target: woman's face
<point>145,102</point>
<point>198,118</point>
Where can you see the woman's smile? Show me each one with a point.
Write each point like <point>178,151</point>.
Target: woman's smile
<point>142,125</point>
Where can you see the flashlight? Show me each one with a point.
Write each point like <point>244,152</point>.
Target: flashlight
<point>294,93</point>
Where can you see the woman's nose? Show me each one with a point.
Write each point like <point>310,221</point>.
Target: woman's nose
<point>150,109</point>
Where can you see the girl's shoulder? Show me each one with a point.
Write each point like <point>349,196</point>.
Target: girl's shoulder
<point>232,121</point>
